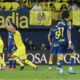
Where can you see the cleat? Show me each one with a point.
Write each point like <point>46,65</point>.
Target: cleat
<point>72,72</point>
<point>13,68</point>
<point>35,68</point>
<point>22,68</point>
<point>50,68</point>
<point>9,68</point>
<point>62,73</point>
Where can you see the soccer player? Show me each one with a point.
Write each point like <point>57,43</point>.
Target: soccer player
<point>54,44</point>
<point>11,49</point>
<point>65,43</point>
<point>21,50</point>
<point>1,52</point>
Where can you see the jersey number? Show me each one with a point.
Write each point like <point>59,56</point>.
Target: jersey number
<point>59,33</point>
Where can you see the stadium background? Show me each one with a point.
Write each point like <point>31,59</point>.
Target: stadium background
<point>36,24</point>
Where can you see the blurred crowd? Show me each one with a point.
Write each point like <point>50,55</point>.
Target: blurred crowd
<point>37,5</point>
<point>31,46</point>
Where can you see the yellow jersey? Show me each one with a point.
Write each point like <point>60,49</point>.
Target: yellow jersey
<point>18,39</point>
<point>1,45</point>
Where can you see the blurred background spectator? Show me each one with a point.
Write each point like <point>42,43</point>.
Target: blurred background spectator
<point>52,7</point>
<point>37,7</point>
<point>63,7</point>
<point>22,7</point>
<point>43,47</point>
<point>1,8</point>
<point>29,44</point>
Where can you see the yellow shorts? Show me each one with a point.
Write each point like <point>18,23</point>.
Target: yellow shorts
<point>21,52</point>
<point>1,50</point>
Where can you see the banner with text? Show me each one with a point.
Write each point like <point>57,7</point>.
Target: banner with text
<point>42,57</point>
<point>18,18</point>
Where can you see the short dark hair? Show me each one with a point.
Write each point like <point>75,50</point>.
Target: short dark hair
<point>51,4</point>
<point>14,25</point>
<point>65,14</point>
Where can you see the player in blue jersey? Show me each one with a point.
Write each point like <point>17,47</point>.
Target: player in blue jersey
<point>63,38</point>
<point>11,48</point>
<point>54,44</point>
<point>65,43</point>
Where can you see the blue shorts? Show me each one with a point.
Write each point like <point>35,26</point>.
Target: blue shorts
<point>61,49</point>
<point>11,49</point>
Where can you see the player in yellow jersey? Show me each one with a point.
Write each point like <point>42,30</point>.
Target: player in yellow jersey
<point>1,51</point>
<point>21,50</point>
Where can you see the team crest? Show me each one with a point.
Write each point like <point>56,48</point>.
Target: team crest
<point>41,16</point>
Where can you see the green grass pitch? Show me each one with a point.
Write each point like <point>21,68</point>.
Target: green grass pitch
<point>41,74</point>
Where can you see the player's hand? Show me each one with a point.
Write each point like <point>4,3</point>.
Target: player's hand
<point>50,44</point>
<point>69,47</point>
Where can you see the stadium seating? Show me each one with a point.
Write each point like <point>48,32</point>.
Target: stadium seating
<point>2,4</point>
<point>7,6</point>
<point>29,5</point>
<point>14,5</point>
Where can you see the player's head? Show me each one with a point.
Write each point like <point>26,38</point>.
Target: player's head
<point>65,14</point>
<point>13,26</point>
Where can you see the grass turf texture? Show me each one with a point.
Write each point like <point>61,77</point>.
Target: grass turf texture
<point>41,74</point>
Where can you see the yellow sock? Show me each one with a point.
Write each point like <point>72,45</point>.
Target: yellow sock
<point>19,61</point>
<point>2,62</point>
<point>30,63</point>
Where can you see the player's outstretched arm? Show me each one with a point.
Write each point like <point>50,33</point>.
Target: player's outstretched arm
<point>8,28</point>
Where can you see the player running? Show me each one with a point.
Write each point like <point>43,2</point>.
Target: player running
<point>21,50</point>
<point>11,49</point>
<point>1,52</point>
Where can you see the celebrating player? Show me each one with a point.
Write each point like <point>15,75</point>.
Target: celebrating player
<point>21,51</point>
<point>1,51</point>
<point>11,49</point>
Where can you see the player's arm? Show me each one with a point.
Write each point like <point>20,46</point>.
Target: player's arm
<point>69,34</point>
<point>49,38</point>
<point>8,28</point>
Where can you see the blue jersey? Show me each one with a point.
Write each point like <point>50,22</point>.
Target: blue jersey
<point>53,33</point>
<point>10,38</point>
<point>11,47</point>
<point>63,26</point>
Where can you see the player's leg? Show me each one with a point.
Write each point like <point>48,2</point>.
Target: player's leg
<point>60,63</point>
<point>2,62</point>
<point>50,61</point>
<point>26,61</point>
<point>14,64</point>
<point>0,65</point>
<point>73,56</point>
<point>52,53</point>
<point>9,57</point>
<point>18,60</point>
<point>62,49</point>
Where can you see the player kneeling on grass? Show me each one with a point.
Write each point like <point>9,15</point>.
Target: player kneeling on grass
<point>1,51</point>
<point>21,50</point>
